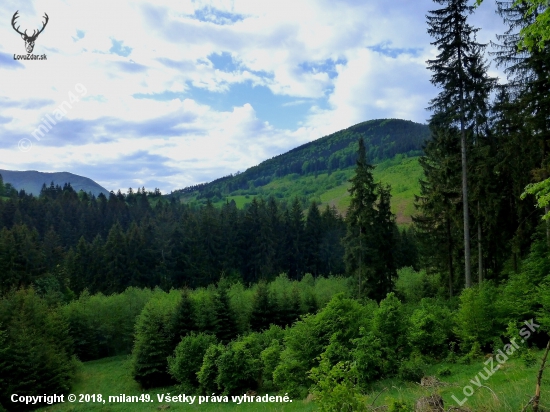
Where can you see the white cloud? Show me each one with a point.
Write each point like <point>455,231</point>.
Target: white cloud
<point>352,61</point>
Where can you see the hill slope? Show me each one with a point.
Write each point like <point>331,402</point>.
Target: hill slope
<point>383,138</point>
<point>320,170</point>
<point>31,181</point>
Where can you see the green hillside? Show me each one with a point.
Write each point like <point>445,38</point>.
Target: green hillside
<point>401,172</point>
<point>320,170</point>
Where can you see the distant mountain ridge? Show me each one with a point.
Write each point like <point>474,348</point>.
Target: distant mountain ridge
<point>384,138</point>
<point>31,181</point>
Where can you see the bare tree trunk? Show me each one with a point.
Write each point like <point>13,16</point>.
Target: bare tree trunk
<point>546,210</point>
<point>467,263</point>
<point>450,256</point>
<point>479,247</point>
<point>536,399</point>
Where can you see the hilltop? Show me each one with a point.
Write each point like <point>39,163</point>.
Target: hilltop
<point>31,181</point>
<point>320,170</point>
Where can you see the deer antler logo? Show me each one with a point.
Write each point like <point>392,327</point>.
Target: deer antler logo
<point>29,40</point>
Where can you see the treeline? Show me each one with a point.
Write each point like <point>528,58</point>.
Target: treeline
<point>6,189</point>
<point>42,339</point>
<point>473,223</point>
<point>69,242</point>
<point>383,138</point>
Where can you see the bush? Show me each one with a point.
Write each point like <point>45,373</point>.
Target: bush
<point>102,326</point>
<point>154,341</point>
<point>444,371</point>
<point>412,370</point>
<point>187,360</point>
<point>209,369</point>
<point>399,406</point>
<point>477,319</point>
<point>310,336</point>
<point>413,286</point>
<point>271,356</point>
<point>390,326</point>
<point>239,365</point>
<point>430,328</point>
<point>368,358</point>
<point>335,388</point>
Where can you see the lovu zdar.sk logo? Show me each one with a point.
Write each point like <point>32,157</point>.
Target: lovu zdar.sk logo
<point>29,40</point>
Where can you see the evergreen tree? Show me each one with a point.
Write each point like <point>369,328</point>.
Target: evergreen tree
<point>460,73</point>
<point>313,234</point>
<point>227,322</point>
<point>116,260</point>
<point>263,313</point>
<point>360,246</point>
<point>183,319</point>
<point>295,239</point>
<point>438,203</point>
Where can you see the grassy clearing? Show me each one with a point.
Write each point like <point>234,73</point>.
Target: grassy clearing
<point>112,377</point>
<point>402,174</point>
<point>513,384</point>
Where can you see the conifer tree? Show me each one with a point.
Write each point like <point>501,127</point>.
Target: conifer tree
<point>360,254</point>
<point>227,322</point>
<point>183,319</point>
<point>460,73</point>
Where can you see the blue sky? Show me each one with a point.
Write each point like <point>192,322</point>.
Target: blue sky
<point>173,93</point>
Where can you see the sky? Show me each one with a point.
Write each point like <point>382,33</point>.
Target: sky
<point>168,94</point>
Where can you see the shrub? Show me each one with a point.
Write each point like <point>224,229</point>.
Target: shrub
<point>335,388</point>
<point>102,326</point>
<point>368,357</point>
<point>399,406</point>
<point>477,319</point>
<point>239,365</point>
<point>270,356</point>
<point>154,341</point>
<point>389,325</point>
<point>209,369</point>
<point>412,370</point>
<point>444,371</point>
<point>430,328</point>
<point>310,336</point>
<point>412,286</point>
<point>187,360</point>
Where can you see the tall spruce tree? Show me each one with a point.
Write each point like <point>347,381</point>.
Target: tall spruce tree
<point>459,72</point>
<point>360,240</point>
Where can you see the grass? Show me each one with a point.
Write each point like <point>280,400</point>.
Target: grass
<point>112,377</point>
<point>513,385</point>
<point>401,173</point>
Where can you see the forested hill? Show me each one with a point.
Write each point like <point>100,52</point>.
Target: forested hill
<point>31,181</point>
<point>384,138</point>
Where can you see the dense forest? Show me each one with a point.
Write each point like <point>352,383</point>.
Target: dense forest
<point>72,241</point>
<point>274,299</point>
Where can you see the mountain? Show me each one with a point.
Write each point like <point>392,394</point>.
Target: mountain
<point>320,170</point>
<point>384,138</point>
<point>31,181</point>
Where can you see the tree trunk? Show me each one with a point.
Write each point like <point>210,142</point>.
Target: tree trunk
<point>467,263</point>
<point>450,243</point>
<point>536,398</point>
<point>479,248</point>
